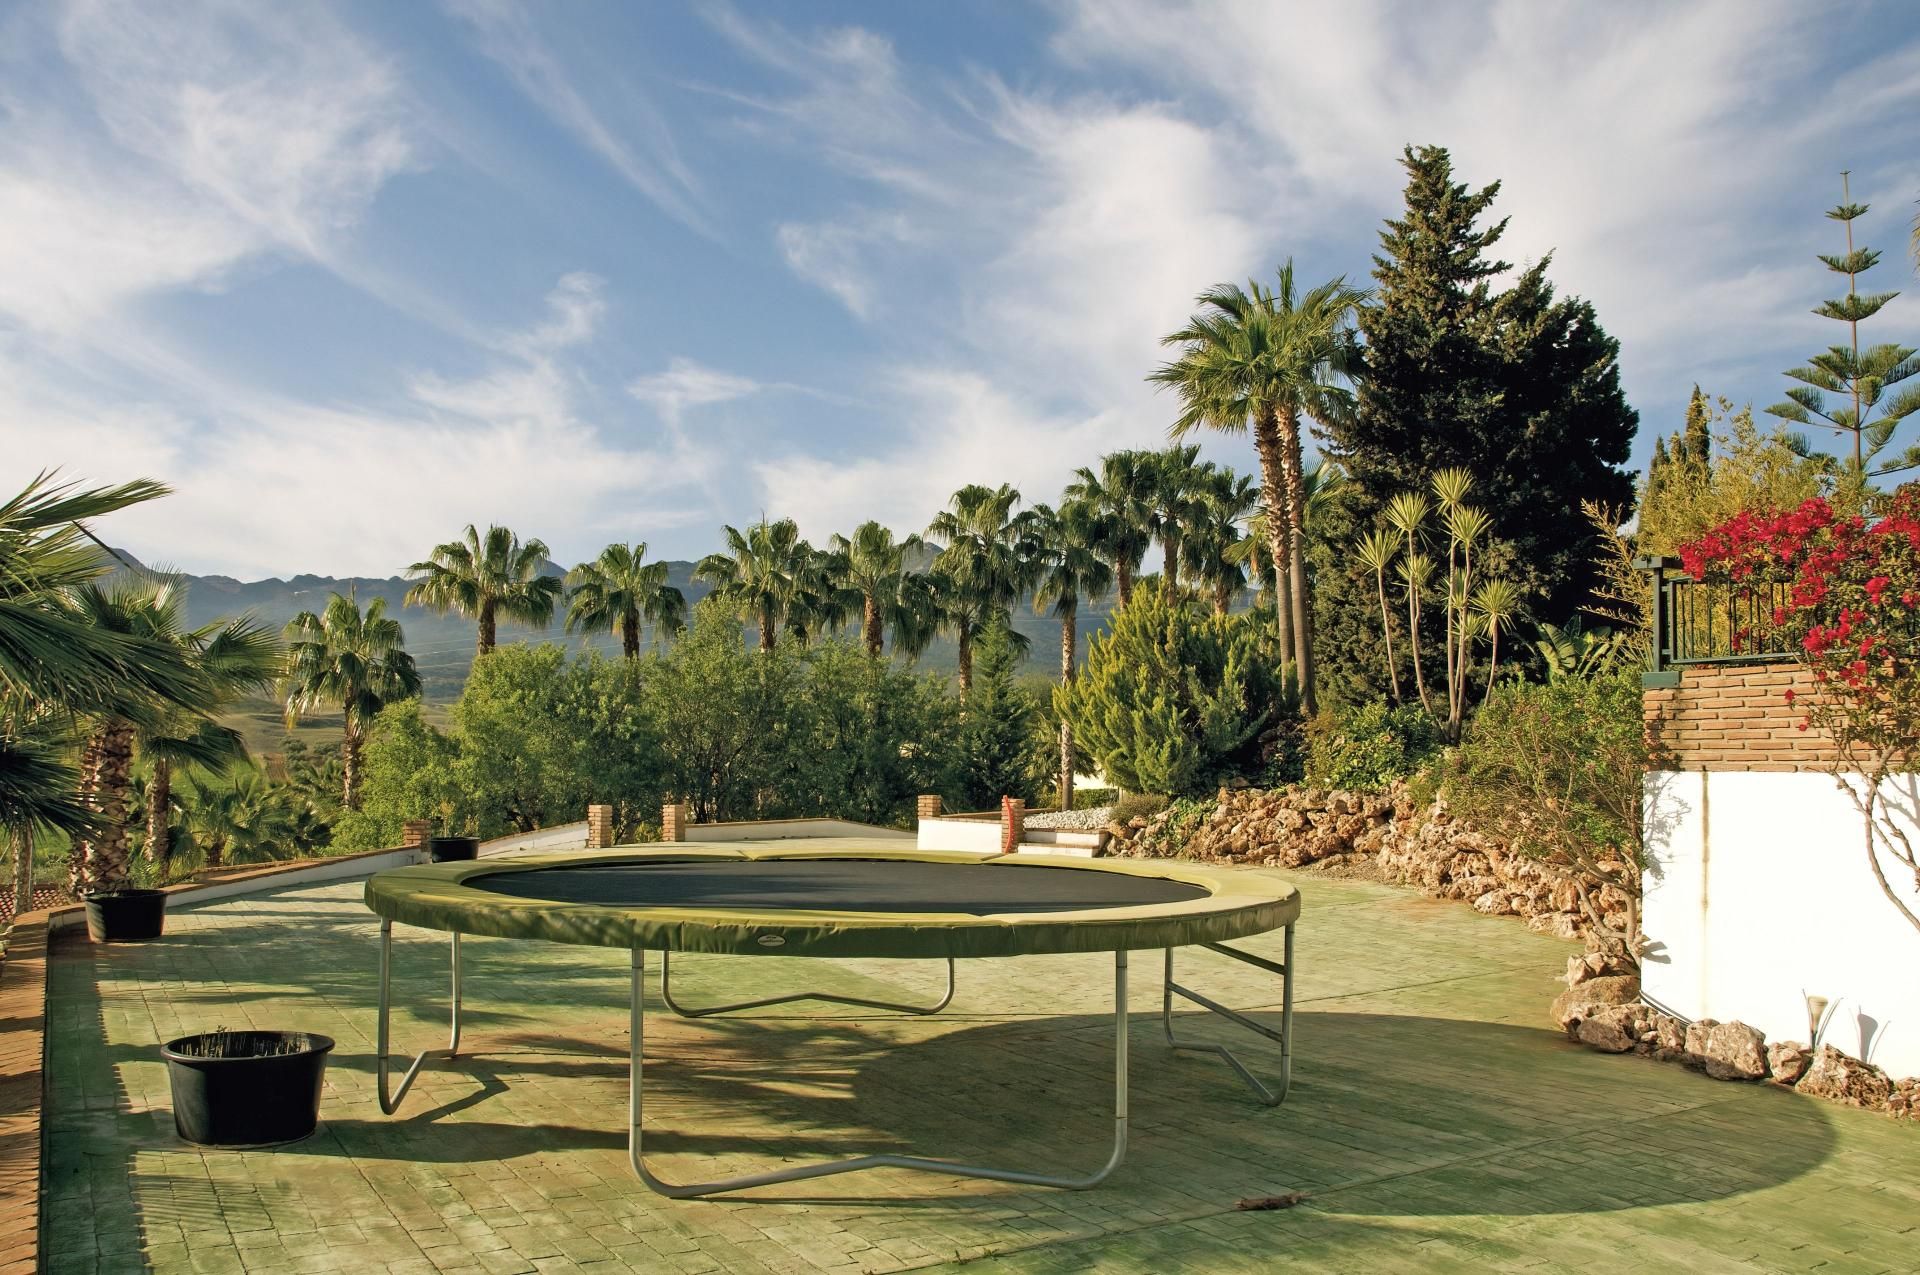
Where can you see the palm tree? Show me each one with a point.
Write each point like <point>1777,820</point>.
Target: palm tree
<point>246,819</point>
<point>874,565</point>
<point>620,589</point>
<point>1264,358</point>
<point>986,562</point>
<point>1207,546</point>
<point>352,660</point>
<point>1121,492</point>
<point>1376,551</point>
<point>763,575</point>
<point>1070,572</point>
<point>490,579</point>
<point>1180,481</point>
<point>823,601</point>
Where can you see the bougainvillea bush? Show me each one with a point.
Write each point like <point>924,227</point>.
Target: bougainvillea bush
<point>1850,611</point>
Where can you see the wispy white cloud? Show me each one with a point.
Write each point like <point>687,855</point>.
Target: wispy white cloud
<point>844,256</point>
<point>686,384</point>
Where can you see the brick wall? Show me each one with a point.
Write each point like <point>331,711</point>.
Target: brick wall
<point>1734,717</point>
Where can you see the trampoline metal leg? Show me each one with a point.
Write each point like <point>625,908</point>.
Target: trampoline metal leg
<point>682,1191</point>
<point>390,1101</point>
<point>666,994</point>
<point>1270,1096</point>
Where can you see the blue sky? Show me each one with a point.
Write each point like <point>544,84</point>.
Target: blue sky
<point>352,276</point>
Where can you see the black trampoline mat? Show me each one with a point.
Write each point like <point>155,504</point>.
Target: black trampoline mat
<point>840,885</point>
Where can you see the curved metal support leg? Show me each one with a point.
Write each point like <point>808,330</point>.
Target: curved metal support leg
<point>390,1102</point>
<point>683,1191</point>
<point>666,994</point>
<point>1271,1097</point>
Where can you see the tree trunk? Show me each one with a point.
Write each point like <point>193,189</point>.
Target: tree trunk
<point>105,867</point>
<point>1386,632</point>
<point>21,837</point>
<point>769,634</point>
<point>1069,639</point>
<point>1222,597</point>
<point>216,852</point>
<point>630,635</point>
<point>79,848</point>
<point>159,810</point>
<point>486,627</point>
<point>870,625</point>
<point>1280,487</point>
<point>350,766</point>
<point>1296,534</point>
<point>965,637</point>
<point>1123,580</point>
<point>1282,579</point>
<point>1170,560</point>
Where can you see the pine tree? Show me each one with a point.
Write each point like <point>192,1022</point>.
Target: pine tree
<point>1518,387</point>
<point>997,738</point>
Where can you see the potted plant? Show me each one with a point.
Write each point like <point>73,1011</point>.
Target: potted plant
<point>246,1088</point>
<point>127,914</point>
<point>452,849</point>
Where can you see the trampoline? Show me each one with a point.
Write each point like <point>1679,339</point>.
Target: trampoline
<point>848,899</point>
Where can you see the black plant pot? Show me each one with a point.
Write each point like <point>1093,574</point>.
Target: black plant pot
<point>126,916</point>
<point>246,1096</point>
<point>453,849</point>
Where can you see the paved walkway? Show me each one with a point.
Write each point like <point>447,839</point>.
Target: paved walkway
<point>1434,1124</point>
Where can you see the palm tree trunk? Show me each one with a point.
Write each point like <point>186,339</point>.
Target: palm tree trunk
<point>216,851</point>
<point>79,847</point>
<point>350,766</point>
<point>159,807</point>
<point>486,627</point>
<point>871,626</point>
<point>769,635</point>
<point>21,837</point>
<point>965,637</point>
<point>630,635</point>
<point>1123,579</point>
<point>1297,548</point>
<point>1222,597</point>
<point>1278,488</point>
<point>1170,559</point>
<point>1282,582</point>
<point>1069,639</point>
<point>105,867</point>
<point>1386,632</point>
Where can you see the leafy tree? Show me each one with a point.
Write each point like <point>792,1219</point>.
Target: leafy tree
<point>996,736</point>
<point>1720,464</point>
<point>873,565</point>
<point>1519,388</point>
<point>763,576</point>
<point>488,579</point>
<point>1180,481</point>
<point>351,659</point>
<point>984,565</point>
<point>1070,572</point>
<point>1121,492</point>
<point>1857,379</point>
<point>620,589</point>
<point>1177,700</point>
<point>247,818</point>
<point>1262,359</point>
<point>412,772</point>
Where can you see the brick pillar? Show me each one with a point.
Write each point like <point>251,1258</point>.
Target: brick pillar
<point>599,827</point>
<point>1013,823</point>
<point>414,834</point>
<point>928,806</point>
<point>673,821</point>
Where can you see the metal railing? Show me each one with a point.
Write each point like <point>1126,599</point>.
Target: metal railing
<point>1711,622</point>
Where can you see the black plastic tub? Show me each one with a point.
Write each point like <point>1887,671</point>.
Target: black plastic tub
<point>453,849</point>
<point>126,916</point>
<point>246,1088</point>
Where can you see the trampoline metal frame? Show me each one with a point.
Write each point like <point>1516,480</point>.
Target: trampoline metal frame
<point>390,1097</point>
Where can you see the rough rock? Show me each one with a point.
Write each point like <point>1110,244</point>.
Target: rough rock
<point>1834,1075</point>
<point>1611,1029</point>
<point>1787,1061</point>
<point>1905,1102</point>
<point>1727,1051</point>
<point>1593,994</point>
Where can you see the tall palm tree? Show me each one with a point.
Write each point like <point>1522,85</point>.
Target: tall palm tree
<point>488,579</point>
<point>1225,499</point>
<point>1121,491</point>
<point>1070,572</point>
<point>1263,358</point>
<point>823,602</point>
<point>352,660</point>
<point>620,589</point>
<point>874,565</point>
<point>985,563</point>
<point>1180,481</point>
<point>763,575</point>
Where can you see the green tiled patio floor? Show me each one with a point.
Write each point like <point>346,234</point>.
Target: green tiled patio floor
<point>1434,1123</point>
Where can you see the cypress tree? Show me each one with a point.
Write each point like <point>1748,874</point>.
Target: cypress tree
<point>1520,388</point>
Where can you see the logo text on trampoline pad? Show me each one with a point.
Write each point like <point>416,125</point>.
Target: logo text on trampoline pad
<point>771,940</point>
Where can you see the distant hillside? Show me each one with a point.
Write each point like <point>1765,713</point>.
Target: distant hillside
<point>442,646</point>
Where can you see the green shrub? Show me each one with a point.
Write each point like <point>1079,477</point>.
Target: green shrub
<point>1177,699</point>
<point>1368,748</point>
<point>1169,833</point>
<point>1138,805</point>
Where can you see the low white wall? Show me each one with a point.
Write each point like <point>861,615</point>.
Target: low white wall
<point>1759,893</point>
<point>782,829</point>
<point>959,834</point>
<point>565,836</point>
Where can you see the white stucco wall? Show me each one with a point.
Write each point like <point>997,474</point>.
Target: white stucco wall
<point>1758,894</point>
<point>959,834</point>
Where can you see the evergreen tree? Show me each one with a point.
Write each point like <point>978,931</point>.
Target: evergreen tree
<point>996,738</point>
<point>1518,387</point>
